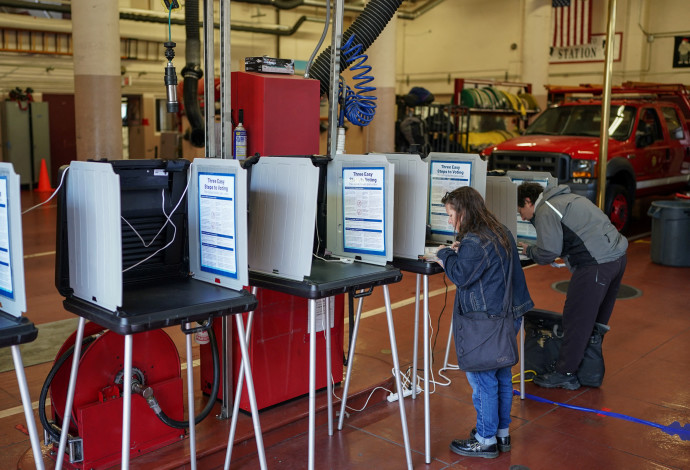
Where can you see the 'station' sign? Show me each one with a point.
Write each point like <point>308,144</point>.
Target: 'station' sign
<point>595,51</point>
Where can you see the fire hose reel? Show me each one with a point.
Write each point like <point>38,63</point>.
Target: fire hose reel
<point>96,421</point>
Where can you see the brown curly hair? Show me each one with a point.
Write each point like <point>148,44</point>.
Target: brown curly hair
<point>476,218</point>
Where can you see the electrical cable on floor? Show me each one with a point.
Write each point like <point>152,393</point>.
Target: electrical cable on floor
<point>333,380</point>
<point>438,323</point>
<point>533,374</point>
<point>445,366</point>
<point>420,372</point>
<point>674,428</point>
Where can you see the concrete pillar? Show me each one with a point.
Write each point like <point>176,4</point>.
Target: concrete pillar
<point>382,53</point>
<point>535,47</point>
<point>97,95</point>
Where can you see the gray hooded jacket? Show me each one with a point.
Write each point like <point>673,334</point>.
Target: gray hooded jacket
<point>573,228</point>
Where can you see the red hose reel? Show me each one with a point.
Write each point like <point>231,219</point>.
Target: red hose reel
<point>96,421</point>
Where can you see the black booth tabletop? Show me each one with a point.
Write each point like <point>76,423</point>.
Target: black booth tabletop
<point>158,304</point>
<point>417,266</point>
<point>16,330</point>
<point>329,278</point>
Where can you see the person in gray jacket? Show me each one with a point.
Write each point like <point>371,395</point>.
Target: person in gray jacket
<point>571,227</point>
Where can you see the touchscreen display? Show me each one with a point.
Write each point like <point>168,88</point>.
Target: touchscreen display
<point>525,229</point>
<point>444,178</point>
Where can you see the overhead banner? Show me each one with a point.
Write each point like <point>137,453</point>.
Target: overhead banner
<point>595,51</point>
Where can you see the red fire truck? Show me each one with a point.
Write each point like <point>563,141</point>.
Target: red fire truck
<point>648,149</point>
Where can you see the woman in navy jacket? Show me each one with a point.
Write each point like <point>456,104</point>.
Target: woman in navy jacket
<point>478,264</point>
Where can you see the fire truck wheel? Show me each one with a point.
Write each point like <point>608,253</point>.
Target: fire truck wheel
<point>618,206</point>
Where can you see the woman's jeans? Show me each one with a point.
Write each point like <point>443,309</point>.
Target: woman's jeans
<point>492,395</point>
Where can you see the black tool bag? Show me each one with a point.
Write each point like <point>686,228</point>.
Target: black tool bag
<point>543,338</point>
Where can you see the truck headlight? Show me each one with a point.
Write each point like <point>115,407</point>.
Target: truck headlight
<point>582,168</point>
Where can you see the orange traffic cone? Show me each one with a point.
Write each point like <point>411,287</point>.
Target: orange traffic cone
<point>43,178</point>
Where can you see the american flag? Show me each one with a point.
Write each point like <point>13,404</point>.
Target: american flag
<point>572,22</point>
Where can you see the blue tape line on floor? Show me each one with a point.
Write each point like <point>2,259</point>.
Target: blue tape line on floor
<point>675,427</point>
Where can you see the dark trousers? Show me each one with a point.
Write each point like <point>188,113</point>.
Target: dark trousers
<point>591,296</point>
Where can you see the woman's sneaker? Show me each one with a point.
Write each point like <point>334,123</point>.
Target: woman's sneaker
<point>502,442</point>
<point>472,448</point>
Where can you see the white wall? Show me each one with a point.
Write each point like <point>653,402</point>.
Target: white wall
<point>456,39</point>
<point>459,39</point>
<point>472,38</point>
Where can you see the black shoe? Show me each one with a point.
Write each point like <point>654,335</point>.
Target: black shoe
<point>556,379</point>
<point>503,442</point>
<point>472,448</point>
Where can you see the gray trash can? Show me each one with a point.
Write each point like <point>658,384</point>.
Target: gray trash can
<point>670,232</point>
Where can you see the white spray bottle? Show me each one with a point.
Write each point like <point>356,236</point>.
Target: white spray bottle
<point>239,138</point>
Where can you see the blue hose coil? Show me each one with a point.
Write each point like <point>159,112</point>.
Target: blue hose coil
<point>358,107</point>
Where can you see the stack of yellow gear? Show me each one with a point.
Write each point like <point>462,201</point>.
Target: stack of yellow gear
<point>494,98</point>
<point>478,141</point>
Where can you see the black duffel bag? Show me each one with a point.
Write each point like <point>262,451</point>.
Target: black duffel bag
<point>543,338</point>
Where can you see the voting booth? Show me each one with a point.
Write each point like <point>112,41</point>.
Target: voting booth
<point>142,245</point>
<point>15,329</point>
<point>357,245</point>
<point>283,207</point>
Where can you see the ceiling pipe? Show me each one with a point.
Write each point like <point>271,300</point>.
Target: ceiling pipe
<point>281,4</point>
<point>141,15</point>
<point>277,30</point>
<point>36,6</point>
<point>402,14</point>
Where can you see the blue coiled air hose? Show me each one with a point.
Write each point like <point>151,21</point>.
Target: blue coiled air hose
<point>358,107</point>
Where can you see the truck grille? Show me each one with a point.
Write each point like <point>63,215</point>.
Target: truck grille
<point>558,164</point>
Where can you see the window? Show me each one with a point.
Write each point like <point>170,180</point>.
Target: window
<point>123,111</point>
<point>583,120</point>
<point>673,123</point>
<point>649,123</point>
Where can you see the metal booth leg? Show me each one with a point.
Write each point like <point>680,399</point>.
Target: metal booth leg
<point>252,399</point>
<point>396,371</point>
<point>238,393</point>
<point>413,376</point>
<point>445,359</point>
<point>350,360</point>
<point>427,419</point>
<point>522,358</point>
<point>312,382</point>
<point>26,403</point>
<point>190,399</point>
<point>127,402</point>
<point>329,373</point>
<point>242,337</point>
<point>70,394</point>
